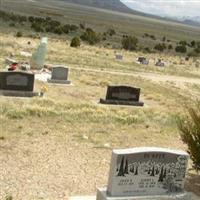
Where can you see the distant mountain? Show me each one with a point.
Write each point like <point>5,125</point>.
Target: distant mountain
<point>114,5</point>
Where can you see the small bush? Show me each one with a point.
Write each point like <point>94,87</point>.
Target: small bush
<point>190,133</point>
<point>129,43</point>
<point>160,47</point>
<point>75,42</point>
<point>19,34</point>
<point>90,36</point>
<point>181,49</point>
<point>170,47</point>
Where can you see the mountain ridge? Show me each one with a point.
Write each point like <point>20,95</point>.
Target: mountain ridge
<point>114,5</point>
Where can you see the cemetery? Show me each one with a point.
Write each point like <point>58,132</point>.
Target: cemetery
<point>65,146</point>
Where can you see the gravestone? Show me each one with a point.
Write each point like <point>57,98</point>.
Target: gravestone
<point>159,63</point>
<point>122,95</point>
<point>119,57</point>
<point>17,84</point>
<point>146,173</point>
<point>59,75</point>
<point>143,60</point>
<point>38,58</point>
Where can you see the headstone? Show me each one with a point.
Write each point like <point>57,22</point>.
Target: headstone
<point>122,95</point>
<point>143,60</point>
<point>38,58</point>
<point>59,75</point>
<point>119,57</point>
<point>17,83</point>
<point>159,63</point>
<point>146,173</point>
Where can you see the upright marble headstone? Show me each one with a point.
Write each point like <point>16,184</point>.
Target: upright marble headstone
<point>122,95</point>
<point>59,75</point>
<point>38,58</point>
<point>145,172</point>
<point>17,83</point>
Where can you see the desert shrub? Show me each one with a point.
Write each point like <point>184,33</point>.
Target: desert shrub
<point>90,36</point>
<point>152,37</point>
<point>170,47</point>
<point>183,43</point>
<point>111,32</point>
<point>37,27</point>
<point>73,27</point>
<point>129,43</point>
<point>190,133</point>
<point>160,47</point>
<point>193,43</point>
<point>12,24</point>
<point>181,49</point>
<point>164,39</point>
<point>58,30</point>
<point>75,42</point>
<point>82,26</point>
<point>19,34</point>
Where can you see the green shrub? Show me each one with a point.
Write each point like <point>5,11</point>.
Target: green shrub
<point>90,36</point>
<point>181,49</point>
<point>75,42</point>
<point>129,43</point>
<point>170,47</point>
<point>190,133</point>
<point>160,47</point>
<point>19,34</point>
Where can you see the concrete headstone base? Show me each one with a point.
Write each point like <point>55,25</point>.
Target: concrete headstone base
<point>117,102</point>
<point>102,195</point>
<point>59,81</point>
<point>13,93</point>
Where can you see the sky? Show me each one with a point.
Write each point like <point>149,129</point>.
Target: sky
<point>169,8</point>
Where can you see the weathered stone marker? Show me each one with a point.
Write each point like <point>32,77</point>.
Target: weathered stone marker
<point>59,75</point>
<point>17,84</point>
<point>122,95</point>
<point>119,57</point>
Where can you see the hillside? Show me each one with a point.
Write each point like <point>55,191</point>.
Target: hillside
<point>115,5</point>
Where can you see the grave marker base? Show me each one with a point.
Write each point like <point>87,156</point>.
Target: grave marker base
<point>13,93</point>
<point>120,102</point>
<point>59,81</point>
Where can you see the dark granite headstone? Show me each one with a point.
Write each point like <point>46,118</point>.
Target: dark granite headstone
<point>19,81</point>
<point>122,95</point>
<point>18,84</point>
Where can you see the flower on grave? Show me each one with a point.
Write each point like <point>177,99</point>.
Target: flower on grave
<point>44,89</point>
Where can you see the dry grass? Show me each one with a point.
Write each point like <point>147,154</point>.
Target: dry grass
<point>60,145</point>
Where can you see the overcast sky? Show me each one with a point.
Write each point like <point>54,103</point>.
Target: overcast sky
<point>173,8</point>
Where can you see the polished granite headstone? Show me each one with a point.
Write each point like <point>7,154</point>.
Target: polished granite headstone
<point>122,95</point>
<point>17,83</point>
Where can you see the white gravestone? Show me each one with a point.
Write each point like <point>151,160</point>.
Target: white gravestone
<point>146,173</point>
